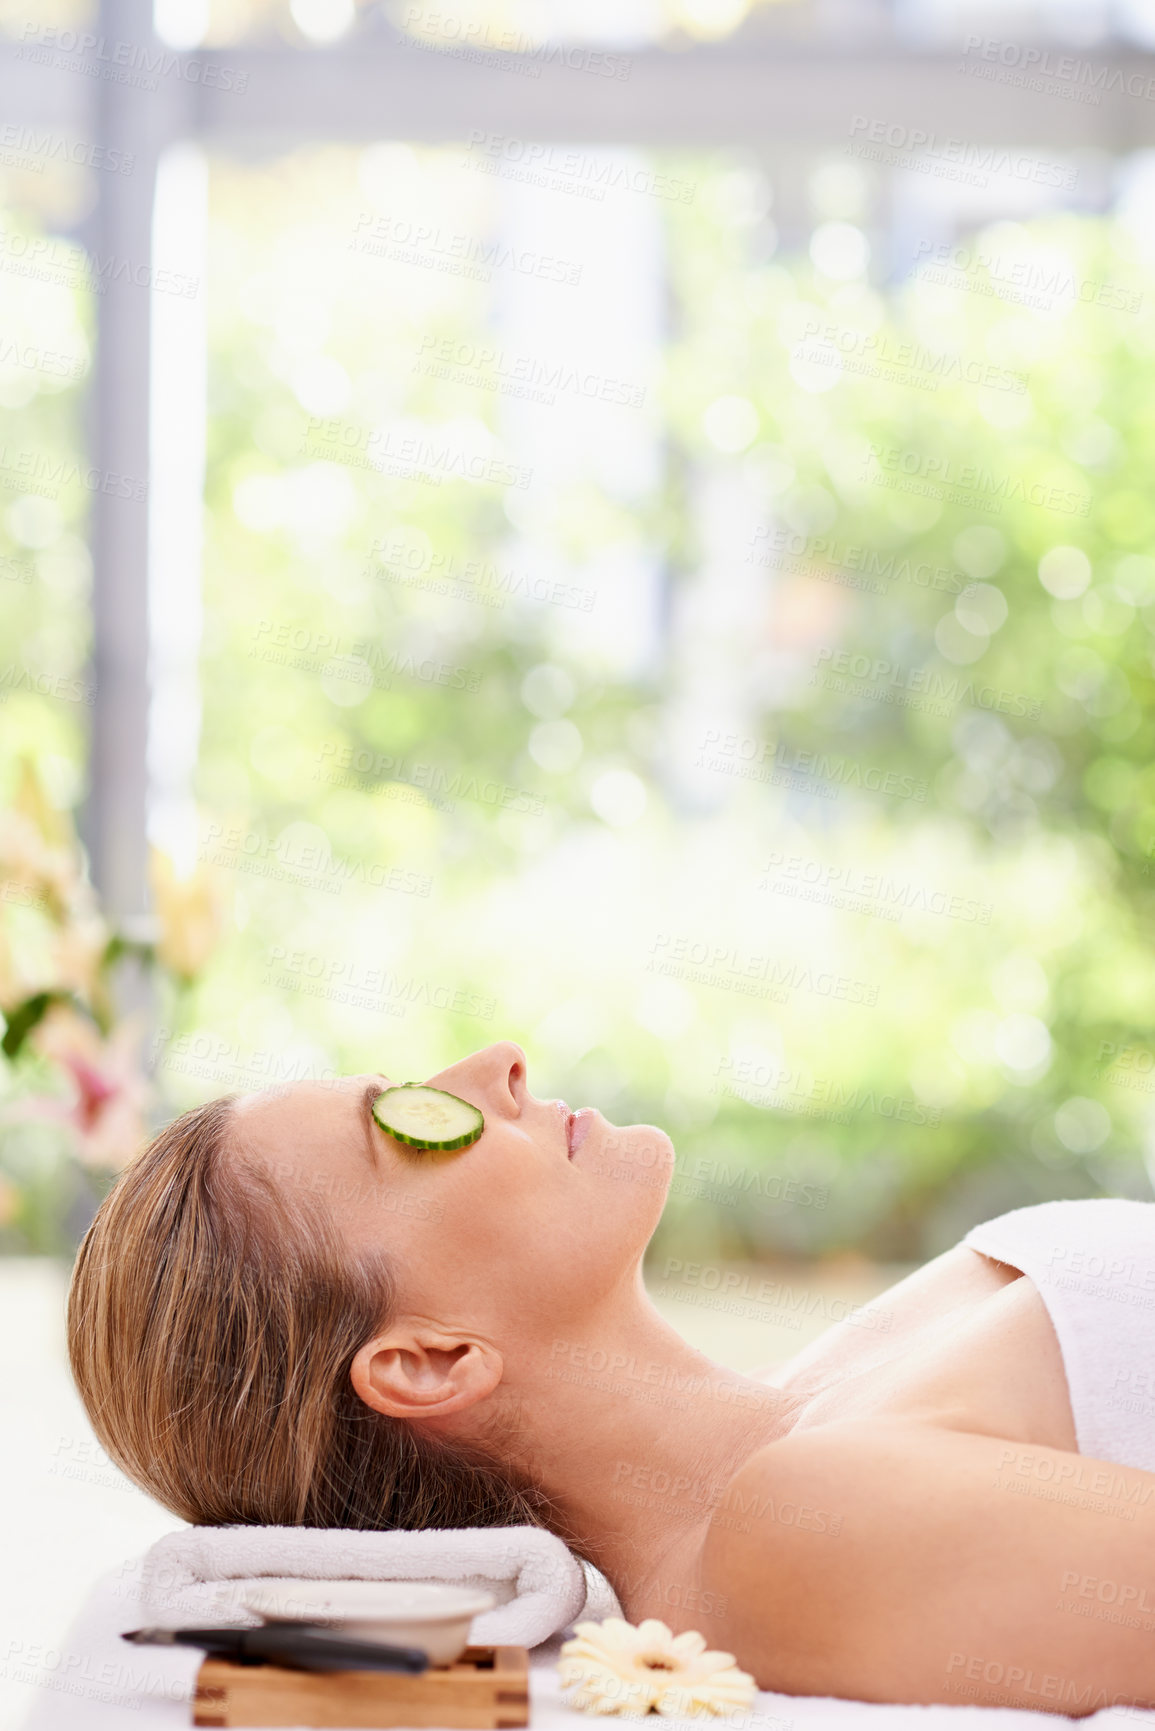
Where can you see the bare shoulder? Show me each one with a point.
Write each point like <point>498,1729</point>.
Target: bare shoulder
<point>898,1561</point>
<point>890,1321</point>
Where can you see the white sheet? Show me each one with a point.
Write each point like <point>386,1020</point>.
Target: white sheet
<point>96,1682</point>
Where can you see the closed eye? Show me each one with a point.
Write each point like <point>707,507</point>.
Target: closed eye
<point>371,1127</point>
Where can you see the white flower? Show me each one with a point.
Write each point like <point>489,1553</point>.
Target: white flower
<point>613,1667</point>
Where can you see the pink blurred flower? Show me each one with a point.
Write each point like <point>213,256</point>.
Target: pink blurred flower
<point>109,1090</point>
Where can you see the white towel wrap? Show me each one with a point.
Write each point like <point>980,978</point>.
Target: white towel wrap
<point>200,1575</point>
<point>1093,1263</point>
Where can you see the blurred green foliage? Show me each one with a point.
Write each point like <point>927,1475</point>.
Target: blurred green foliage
<point>839,865</point>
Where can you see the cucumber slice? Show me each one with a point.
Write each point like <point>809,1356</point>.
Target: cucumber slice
<point>427,1117</point>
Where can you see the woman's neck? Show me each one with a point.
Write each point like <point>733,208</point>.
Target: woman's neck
<point>635,1435</point>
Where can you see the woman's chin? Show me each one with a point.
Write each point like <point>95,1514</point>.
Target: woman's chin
<point>638,1152</point>
<point>661,1144</point>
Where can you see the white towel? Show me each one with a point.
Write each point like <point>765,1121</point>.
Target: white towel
<point>200,1575</point>
<point>1092,1261</point>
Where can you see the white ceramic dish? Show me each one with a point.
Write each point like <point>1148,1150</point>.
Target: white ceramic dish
<point>426,1614</point>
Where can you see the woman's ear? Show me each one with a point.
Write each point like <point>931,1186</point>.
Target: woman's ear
<point>418,1374</point>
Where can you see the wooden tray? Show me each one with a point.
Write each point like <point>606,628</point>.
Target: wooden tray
<point>487,1687</point>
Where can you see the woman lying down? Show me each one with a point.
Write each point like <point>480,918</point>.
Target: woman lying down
<point>367,1305</point>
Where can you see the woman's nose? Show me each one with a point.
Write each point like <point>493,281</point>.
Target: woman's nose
<point>496,1074</point>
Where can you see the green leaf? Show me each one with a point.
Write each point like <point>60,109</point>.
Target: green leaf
<point>25,1017</point>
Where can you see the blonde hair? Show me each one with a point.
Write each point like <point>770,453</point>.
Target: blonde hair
<point>212,1324</point>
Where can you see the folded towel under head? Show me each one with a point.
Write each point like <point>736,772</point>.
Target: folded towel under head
<point>200,1575</point>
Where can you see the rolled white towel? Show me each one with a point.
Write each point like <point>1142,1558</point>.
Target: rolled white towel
<point>200,1575</point>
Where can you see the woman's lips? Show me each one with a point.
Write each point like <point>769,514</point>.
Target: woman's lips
<point>575,1125</point>
<point>577,1128</point>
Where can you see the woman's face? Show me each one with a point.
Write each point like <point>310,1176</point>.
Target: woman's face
<point>518,1237</point>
